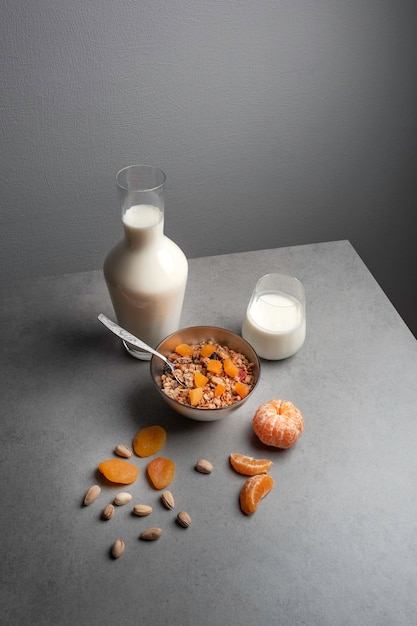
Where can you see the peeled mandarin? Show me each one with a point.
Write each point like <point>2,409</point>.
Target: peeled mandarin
<point>119,471</point>
<point>149,440</point>
<point>278,423</point>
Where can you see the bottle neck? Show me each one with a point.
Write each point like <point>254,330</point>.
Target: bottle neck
<point>143,225</point>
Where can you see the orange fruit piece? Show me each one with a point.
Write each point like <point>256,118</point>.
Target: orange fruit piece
<point>199,379</point>
<point>149,440</point>
<point>214,366</point>
<point>161,472</point>
<point>230,368</point>
<point>278,423</point>
<point>119,471</point>
<point>207,350</point>
<point>184,349</point>
<point>242,389</point>
<point>254,489</point>
<point>195,395</point>
<point>219,390</point>
<point>248,465</point>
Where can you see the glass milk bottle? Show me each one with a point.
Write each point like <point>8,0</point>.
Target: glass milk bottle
<point>146,273</point>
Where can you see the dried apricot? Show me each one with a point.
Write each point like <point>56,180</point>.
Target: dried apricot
<point>278,423</point>
<point>149,440</point>
<point>161,472</point>
<point>215,366</point>
<point>242,389</point>
<point>199,379</point>
<point>195,395</point>
<point>119,471</point>
<point>230,368</point>
<point>207,350</point>
<point>219,390</point>
<point>248,465</point>
<point>184,349</point>
<point>254,489</point>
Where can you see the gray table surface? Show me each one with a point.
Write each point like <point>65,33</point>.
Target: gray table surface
<point>334,543</point>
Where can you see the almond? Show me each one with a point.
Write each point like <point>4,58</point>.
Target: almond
<point>124,451</point>
<point>122,498</point>
<point>108,511</point>
<point>184,519</point>
<point>168,499</point>
<point>142,510</point>
<point>117,548</point>
<point>92,494</point>
<point>150,534</point>
<point>204,467</point>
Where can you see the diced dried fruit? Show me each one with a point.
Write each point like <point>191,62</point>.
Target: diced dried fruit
<point>207,350</point>
<point>119,471</point>
<point>230,368</point>
<point>248,465</point>
<point>161,472</point>
<point>215,366</point>
<point>184,349</point>
<point>149,440</point>
<point>254,489</point>
<point>199,379</point>
<point>219,390</point>
<point>92,494</point>
<point>242,389</point>
<point>195,395</point>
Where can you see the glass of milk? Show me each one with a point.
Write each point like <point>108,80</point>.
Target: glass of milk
<point>275,321</point>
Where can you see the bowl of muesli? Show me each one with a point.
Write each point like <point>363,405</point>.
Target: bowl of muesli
<point>220,371</point>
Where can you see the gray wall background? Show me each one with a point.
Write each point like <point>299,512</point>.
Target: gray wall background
<point>277,122</point>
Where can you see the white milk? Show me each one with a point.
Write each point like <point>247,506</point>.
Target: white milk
<point>146,275</point>
<point>275,325</point>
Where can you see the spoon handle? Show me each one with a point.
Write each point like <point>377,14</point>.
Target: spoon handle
<point>124,334</point>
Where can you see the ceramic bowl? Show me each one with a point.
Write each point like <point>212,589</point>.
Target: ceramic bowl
<point>193,335</point>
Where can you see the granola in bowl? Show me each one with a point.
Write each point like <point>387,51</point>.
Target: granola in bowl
<point>220,368</point>
<point>216,376</point>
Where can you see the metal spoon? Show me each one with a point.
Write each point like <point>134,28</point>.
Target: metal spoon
<point>126,336</point>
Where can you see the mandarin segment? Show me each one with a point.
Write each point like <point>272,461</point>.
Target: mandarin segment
<point>254,489</point>
<point>149,440</point>
<point>278,423</point>
<point>119,471</point>
<point>249,466</point>
<point>161,472</point>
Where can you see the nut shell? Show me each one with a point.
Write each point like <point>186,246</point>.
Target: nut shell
<point>184,519</point>
<point>150,534</point>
